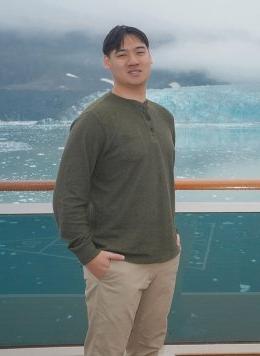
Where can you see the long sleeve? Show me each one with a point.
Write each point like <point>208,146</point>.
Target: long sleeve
<point>71,199</point>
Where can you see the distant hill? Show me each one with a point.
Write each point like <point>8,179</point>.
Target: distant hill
<point>41,76</point>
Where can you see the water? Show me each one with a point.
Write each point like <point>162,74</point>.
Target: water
<point>217,136</point>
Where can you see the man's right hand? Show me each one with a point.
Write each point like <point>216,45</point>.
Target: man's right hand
<point>99,265</point>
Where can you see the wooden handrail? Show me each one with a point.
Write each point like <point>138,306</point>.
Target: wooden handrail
<point>27,185</point>
<point>217,184</point>
<point>180,184</point>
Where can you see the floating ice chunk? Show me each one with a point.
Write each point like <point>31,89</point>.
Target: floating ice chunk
<point>174,85</point>
<point>16,123</point>
<point>109,81</point>
<point>12,146</point>
<point>70,75</point>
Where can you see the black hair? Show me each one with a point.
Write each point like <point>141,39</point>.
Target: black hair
<point>115,37</point>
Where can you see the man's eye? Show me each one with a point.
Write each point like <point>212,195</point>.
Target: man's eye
<point>140,52</point>
<point>121,55</point>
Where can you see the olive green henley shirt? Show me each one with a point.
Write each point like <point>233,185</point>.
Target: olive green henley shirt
<point>114,189</point>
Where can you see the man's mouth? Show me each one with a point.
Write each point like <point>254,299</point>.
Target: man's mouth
<point>134,71</point>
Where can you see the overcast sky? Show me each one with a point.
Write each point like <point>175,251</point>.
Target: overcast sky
<point>221,37</point>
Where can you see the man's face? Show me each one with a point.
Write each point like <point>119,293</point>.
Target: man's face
<point>131,64</point>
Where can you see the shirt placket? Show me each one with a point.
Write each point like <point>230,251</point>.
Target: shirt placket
<point>148,121</point>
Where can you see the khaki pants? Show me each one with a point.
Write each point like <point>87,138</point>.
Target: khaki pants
<point>128,308</point>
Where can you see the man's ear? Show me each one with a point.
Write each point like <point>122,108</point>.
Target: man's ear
<point>106,62</point>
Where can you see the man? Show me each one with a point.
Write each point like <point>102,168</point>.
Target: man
<point>114,203</point>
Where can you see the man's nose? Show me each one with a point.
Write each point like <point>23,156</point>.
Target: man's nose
<point>132,59</point>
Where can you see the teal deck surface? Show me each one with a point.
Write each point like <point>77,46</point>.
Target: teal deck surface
<point>217,296</point>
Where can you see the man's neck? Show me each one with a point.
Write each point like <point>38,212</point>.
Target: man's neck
<point>138,94</point>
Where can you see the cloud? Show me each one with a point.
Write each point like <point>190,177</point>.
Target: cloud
<point>225,60</point>
<point>162,17</point>
<point>220,37</point>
